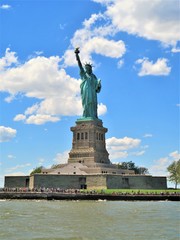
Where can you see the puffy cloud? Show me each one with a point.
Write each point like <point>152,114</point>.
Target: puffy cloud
<point>10,98</point>
<point>19,117</point>
<point>148,19</point>
<point>94,37</point>
<point>118,154</point>
<point>9,59</point>
<point>108,48</point>
<point>41,78</point>
<point>7,133</point>
<point>5,6</point>
<point>94,17</point>
<point>123,143</point>
<point>160,67</point>
<point>119,147</point>
<point>98,45</point>
<point>41,119</point>
<point>175,50</point>
<point>160,165</point>
<point>139,17</point>
<point>102,109</point>
<point>175,155</point>
<point>61,157</point>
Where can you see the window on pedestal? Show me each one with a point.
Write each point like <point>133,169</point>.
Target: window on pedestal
<point>82,135</point>
<point>86,135</point>
<point>78,136</point>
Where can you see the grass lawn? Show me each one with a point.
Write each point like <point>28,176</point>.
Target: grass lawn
<point>134,191</point>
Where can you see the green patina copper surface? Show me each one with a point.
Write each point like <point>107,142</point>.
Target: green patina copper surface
<point>90,86</point>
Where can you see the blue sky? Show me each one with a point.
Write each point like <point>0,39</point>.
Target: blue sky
<point>134,47</point>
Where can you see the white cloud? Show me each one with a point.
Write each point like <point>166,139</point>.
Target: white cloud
<point>108,48</point>
<point>7,133</point>
<point>120,63</point>
<point>56,92</point>
<point>175,50</point>
<point>98,45</point>
<point>19,117</point>
<point>123,143</point>
<point>102,109</point>
<point>175,155</point>
<point>119,147</point>
<point>38,53</point>
<point>18,167</point>
<point>160,67</point>
<point>117,154</point>
<point>10,156</point>
<point>16,174</point>
<point>5,6</point>
<point>178,104</point>
<point>103,1</point>
<point>41,161</point>
<point>148,19</point>
<point>32,109</point>
<point>41,119</point>
<point>10,98</point>
<point>94,37</point>
<point>69,58</point>
<point>9,59</point>
<point>138,153</point>
<point>61,157</point>
<point>159,168</point>
<point>37,119</point>
<point>94,17</point>
<point>147,135</point>
<point>133,17</point>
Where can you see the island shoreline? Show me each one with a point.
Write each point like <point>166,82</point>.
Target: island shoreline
<point>86,196</point>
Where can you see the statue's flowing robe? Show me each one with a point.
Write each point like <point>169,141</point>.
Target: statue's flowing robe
<point>90,86</point>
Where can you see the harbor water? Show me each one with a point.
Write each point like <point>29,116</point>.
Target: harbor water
<point>89,220</point>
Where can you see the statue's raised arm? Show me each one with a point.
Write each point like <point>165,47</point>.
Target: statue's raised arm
<point>78,58</point>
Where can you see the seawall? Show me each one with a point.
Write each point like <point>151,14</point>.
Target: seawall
<point>79,196</point>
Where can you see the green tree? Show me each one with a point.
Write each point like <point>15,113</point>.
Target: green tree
<point>174,170</point>
<point>142,170</point>
<point>127,165</point>
<point>131,166</point>
<point>54,166</point>
<point>36,170</point>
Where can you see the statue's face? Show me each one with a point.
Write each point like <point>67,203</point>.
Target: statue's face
<point>88,69</point>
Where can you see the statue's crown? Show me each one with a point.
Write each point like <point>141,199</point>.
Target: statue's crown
<point>88,65</point>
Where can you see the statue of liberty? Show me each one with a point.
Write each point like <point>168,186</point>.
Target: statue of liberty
<point>89,86</point>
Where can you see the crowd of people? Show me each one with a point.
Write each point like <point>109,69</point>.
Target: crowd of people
<point>83,191</point>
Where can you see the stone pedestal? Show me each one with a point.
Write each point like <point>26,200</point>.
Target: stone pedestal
<point>89,146</point>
